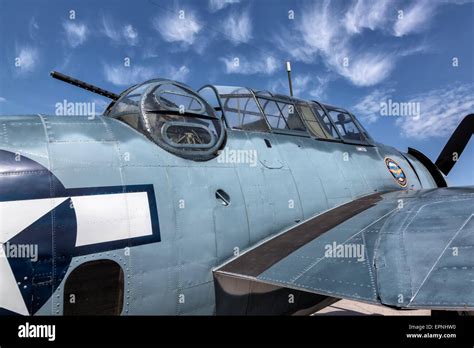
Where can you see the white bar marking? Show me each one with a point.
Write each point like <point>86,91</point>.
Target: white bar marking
<point>111,217</point>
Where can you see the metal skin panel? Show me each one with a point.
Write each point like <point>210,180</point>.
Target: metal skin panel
<point>270,193</point>
<point>306,176</point>
<point>344,156</point>
<point>296,258</point>
<point>342,277</point>
<point>25,135</point>
<point>321,164</point>
<point>424,175</point>
<point>434,247</point>
<point>412,179</point>
<point>416,252</point>
<point>100,153</point>
<point>364,156</point>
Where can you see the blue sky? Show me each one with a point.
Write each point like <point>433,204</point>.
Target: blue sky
<point>355,54</point>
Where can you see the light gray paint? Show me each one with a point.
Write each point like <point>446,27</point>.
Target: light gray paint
<point>105,152</point>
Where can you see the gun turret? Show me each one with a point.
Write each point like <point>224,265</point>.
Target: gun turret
<point>84,85</point>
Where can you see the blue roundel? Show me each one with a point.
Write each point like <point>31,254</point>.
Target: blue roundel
<point>396,171</point>
<point>50,238</point>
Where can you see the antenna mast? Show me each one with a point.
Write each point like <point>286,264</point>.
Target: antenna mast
<point>288,70</point>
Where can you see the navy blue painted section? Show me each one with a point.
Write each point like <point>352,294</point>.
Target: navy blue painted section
<point>22,178</point>
<point>5,312</point>
<point>54,234</point>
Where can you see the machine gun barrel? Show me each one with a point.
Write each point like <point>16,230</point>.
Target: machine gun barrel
<point>84,85</point>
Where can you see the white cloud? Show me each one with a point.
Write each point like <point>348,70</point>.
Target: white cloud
<point>175,29</point>
<point>416,18</point>
<point>332,34</point>
<point>28,58</point>
<point>179,74</point>
<point>149,52</point>
<point>126,76</point>
<point>321,34</point>
<point>366,69</point>
<point>441,110</point>
<point>238,28</point>
<point>76,33</point>
<point>368,108</point>
<point>33,27</point>
<point>240,65</point>
<point>116,34</point>
<point>2,100</point>
<point>295,47</point>
<point>216,5</point>
<point>130,34</point>
<point>301,84</point>
<point>109,29</point>
<point>304,86</point>
<point>66,61</point>
<point>319,87</point>
<point>319,27</point>
<point>279,86</point>
<point>366,14</point>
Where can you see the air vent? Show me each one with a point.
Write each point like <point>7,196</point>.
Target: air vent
<point>223,197</point>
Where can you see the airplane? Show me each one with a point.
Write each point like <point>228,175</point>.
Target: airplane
<point>227,201</point>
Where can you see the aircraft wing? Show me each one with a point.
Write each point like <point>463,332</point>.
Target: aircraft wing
<point>406,249</point>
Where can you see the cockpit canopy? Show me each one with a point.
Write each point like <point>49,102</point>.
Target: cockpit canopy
<point>173,116</point>
<point>246,109</point>
<point>192,125</point>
